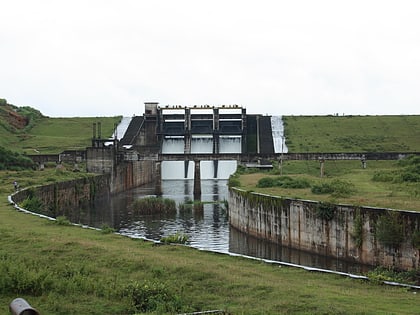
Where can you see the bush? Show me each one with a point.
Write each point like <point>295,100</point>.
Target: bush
<point>266,182</point>
<point>389,229</point>
<point>380,274</point>
<point>383,177</point>
<point>150,296</point>
<point>32,203</point>
<point>323,188</point>
<point>106,229</point>
<point>233,181</point>
<point>283,182</point>
<point>10,160</point>
<point>337,188</point>
<point>62,220</point>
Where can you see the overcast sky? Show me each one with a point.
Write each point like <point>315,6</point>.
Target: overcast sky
<point>104,57</point>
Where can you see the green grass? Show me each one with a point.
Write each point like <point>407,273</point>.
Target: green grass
<point>53,135</point>
<point>397,195</point>
<point>352,133</point>
<point>63,269</point>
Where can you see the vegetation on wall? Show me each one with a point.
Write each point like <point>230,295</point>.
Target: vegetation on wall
<point>416,239</point>
<point>357,234</point>
<point>389,229</point>
<point>325,211</point>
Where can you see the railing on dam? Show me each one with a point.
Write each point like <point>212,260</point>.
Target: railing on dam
<point>276,156</point>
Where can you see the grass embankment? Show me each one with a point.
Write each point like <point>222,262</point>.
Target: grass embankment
<point>364,190</point>
<point>68,270</point>
<point>53,135</point>
<point>352,133</point>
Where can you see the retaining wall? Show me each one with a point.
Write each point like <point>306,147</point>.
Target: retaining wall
<point>70,198</point>
<point>348,233</point>
<point>74,198</point>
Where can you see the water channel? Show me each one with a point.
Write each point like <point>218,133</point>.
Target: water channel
<point>208,227</point>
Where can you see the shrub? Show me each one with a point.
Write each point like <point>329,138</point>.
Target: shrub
<point>150,296</point>
<point>62,220</point>
<point>389,229</point>
<point>32,203</point>
<point>337,188</point>
<point>10,160</point>
<point>106,229</point>
<point>266,182</point>
<point>381,274</point>
<point>284,182</point>
<point>233,181</point>
<point>383,177</point>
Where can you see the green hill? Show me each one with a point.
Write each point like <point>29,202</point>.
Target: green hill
<point>352,133</point>
<point>26,130</point>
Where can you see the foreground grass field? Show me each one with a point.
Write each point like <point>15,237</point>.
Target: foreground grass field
<point>365,190</point>
<point>69,270</point>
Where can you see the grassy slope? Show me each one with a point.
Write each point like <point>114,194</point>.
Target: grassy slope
<point>93,269</point>
<point>53,135</point>
<point>352,133</point>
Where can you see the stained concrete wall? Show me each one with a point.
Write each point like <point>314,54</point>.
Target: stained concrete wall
<point>73,198</point>
<point>70,198</point>
<point>131,174</point>
<point>124,175</point>
<point>297,224</point>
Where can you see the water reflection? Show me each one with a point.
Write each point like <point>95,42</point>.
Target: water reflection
<point>207,226</point>
<point>241,243</point>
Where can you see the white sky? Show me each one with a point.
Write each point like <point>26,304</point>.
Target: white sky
<point>106,57</point>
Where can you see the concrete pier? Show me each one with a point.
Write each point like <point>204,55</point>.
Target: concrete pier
<point>158,178</point>
<point>197,180</point>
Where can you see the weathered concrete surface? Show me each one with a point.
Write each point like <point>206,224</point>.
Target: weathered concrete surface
<point>348,235</point>
<point>70,198</point>
<point>124,174</point>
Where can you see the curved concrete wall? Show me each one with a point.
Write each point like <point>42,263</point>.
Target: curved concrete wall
<point>74,197</point>
<point>349,234</point>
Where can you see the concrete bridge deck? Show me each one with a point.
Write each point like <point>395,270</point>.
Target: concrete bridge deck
<point>248,157</point>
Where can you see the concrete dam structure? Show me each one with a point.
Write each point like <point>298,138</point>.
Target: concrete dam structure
<point>229,134</point>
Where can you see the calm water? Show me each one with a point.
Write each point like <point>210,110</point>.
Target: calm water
<point>207,228</point>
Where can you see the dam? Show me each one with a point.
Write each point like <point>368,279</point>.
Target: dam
<point>197,139</point>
